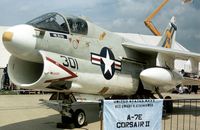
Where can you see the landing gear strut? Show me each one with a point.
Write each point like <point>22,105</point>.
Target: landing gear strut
<point>75,109</point>
<point>143,93</point>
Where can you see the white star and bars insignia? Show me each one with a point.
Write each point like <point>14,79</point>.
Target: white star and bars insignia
<point>96,59</point>
<point>107,62</point>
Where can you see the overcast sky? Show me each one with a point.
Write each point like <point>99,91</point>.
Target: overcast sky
<point>114,15</point>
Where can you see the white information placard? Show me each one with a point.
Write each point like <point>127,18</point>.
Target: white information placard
<point>139,114</point>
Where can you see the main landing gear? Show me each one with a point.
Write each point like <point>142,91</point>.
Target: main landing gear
<point>146,94</point>
<point>76,109</point>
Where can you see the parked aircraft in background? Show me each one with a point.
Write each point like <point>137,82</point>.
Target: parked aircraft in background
<point>72,55</point>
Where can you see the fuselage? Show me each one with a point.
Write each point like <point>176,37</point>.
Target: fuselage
<point>74,55</point>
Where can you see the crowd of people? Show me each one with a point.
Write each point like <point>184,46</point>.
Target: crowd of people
<point>5,81</point>
<point>185,89</point>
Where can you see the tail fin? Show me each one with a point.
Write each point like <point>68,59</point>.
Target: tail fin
<point>168,38</point>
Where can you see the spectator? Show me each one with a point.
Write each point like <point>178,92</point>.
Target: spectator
<point>6,81</point>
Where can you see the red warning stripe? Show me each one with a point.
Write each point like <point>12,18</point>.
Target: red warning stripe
<point>73,75</point>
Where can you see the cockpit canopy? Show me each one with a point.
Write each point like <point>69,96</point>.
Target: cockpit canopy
<point>58,23</point>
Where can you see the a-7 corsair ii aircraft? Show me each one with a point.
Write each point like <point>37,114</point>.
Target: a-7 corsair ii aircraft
<point>88,63</point>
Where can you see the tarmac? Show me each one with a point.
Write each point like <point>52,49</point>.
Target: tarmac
<point>26,112</point>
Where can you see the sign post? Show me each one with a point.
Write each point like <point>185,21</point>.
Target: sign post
<point>140,114</point>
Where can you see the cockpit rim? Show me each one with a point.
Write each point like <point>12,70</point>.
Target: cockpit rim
<point>74,19</point>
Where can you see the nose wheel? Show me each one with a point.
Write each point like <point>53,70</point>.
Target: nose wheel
<point>79,118</point>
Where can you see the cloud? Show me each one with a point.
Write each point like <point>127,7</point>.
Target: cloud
<point>130,7</point>
<point>15,12</point>
<point>114,15</point>
<point>131,14</point>
<point>196,4</point>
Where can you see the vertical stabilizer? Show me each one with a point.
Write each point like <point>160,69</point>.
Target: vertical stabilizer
<point>168,37</point>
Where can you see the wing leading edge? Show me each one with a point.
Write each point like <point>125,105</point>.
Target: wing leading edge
<point>155,50</point>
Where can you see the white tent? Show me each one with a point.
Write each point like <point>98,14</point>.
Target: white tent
<point>4,54</point>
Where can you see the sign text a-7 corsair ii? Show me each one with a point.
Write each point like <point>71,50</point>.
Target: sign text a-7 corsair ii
<point>87,63</point>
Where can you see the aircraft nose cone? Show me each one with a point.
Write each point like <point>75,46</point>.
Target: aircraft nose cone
<point>20,40</point>
<point>7,36</point>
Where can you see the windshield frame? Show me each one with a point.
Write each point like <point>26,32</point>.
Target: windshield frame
<point>41,19</point>
<point>77,25</point>
<point>73,24</point>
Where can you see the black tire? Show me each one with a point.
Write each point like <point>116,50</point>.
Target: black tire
<point>79,118</point>
<point>60,125</point>
<point>66,119</point>
<point>65,126</point>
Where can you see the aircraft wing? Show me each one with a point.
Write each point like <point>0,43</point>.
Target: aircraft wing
<point>154,50</point>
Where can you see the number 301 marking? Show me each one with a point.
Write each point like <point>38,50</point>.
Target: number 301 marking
<point>70,62</point>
